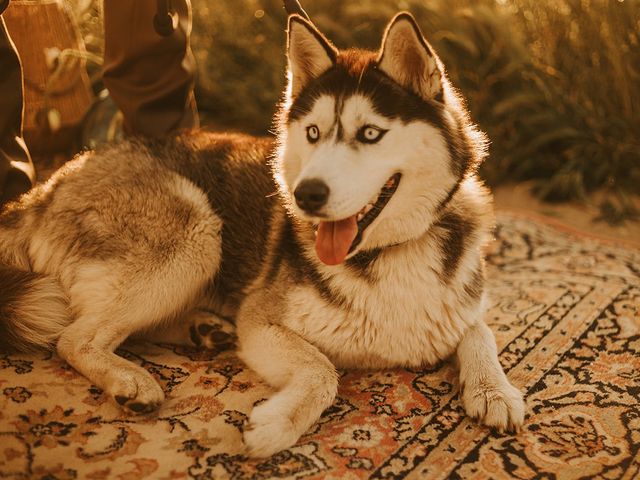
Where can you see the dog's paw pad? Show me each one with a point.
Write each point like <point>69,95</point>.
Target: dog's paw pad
<point>499,406</point>
<point>268,433</point>
<point>212,336</point>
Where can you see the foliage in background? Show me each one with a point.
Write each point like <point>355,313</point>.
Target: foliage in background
<point>555,83</point>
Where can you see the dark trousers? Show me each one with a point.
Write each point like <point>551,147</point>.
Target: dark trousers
<point>150,78</point>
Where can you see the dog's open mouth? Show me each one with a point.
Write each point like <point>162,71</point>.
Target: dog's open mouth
<point>335,240</point>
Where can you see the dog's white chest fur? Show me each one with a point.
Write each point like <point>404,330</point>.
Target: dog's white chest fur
<point>402,316</point>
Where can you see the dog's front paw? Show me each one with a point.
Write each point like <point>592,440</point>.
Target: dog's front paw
<point>496,404</point>
<point>269,431</point>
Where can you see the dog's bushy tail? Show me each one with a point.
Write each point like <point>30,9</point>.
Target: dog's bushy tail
<point>33,310</point>
<point>33,307</point>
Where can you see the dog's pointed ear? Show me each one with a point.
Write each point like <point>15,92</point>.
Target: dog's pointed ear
<point>407,58</point>
<point>310,54</point>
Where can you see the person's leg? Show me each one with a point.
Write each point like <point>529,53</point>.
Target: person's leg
<point>149,77</point>
<point>16,169</point>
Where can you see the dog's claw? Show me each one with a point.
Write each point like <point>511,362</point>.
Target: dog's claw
<point>137,407</point>
<point>500,406</point>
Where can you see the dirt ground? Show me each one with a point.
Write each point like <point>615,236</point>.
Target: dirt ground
<point>580,216</point>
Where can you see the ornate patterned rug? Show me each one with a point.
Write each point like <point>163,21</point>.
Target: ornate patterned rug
<point>566,312</point>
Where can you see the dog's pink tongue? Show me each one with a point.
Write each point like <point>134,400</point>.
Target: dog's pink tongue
<point>334,239</point>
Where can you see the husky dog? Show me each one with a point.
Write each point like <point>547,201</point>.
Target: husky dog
<point>358,245</point>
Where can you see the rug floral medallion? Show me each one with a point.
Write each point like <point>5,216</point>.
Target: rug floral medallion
<point>565,309</point>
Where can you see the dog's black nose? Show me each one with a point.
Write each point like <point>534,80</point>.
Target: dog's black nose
<point>311,195</point>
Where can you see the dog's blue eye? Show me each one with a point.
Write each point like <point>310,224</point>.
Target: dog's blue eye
<point>370,134</point>
<point>313,133</point>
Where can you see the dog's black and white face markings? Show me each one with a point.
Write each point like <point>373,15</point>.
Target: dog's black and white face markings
<point>373,133</point>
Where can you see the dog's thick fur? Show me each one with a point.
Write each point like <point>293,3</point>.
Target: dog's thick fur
<point>148,237</point>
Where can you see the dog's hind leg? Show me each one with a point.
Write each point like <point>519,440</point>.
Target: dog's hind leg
<point>153,282</point>
<point>88,345</point>
<point>111,302</point>
<point>486,391</point>
<point>306,379</point>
